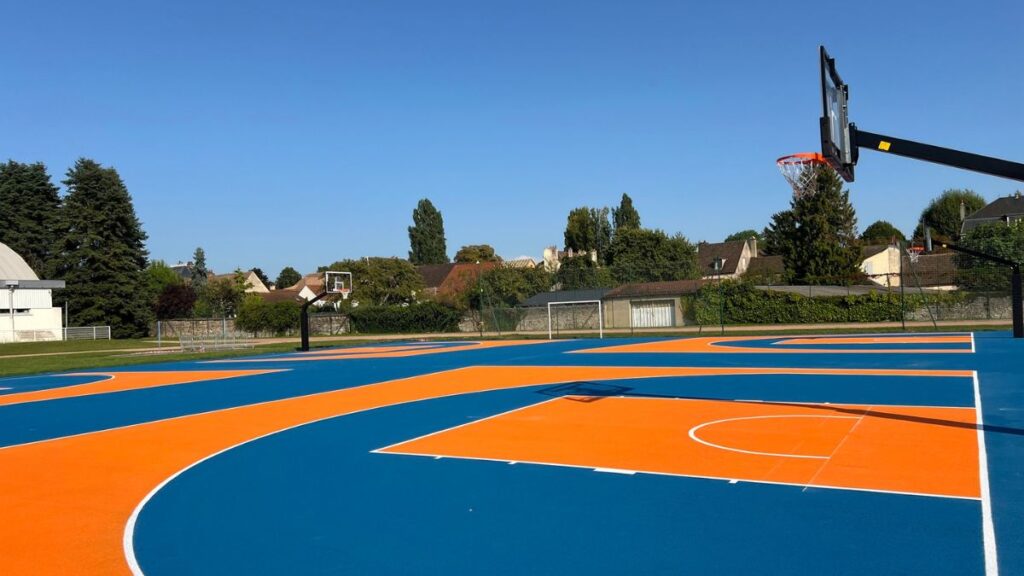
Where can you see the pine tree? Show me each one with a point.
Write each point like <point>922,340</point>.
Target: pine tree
<point>817,236</point>
<point>29,206</point>
<point>102,252</point>
<point>426,235</point>
<point>199,271</point>
<point>625,216</point>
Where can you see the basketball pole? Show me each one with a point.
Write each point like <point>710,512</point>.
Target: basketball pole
<point>304,321</point>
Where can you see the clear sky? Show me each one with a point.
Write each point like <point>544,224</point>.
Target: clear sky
<point>299,133</point>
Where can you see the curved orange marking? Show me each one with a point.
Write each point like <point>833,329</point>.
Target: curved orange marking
<point>121,381</point>
<point>64,502</point>
<point>720,345</point>
<point>383,352</point>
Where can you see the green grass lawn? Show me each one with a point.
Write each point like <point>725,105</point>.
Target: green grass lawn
<point>19,348</point>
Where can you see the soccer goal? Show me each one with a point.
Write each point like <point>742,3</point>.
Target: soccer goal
<point>576,316</point>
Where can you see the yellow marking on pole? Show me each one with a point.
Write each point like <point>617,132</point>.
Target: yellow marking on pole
<point>884,146</point>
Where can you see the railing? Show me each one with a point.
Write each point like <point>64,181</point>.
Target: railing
<point>192,344</point>
<point>87,333</point>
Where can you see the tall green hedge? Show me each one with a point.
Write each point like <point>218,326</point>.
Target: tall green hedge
<point>420,317</point>
<point>745,304</point>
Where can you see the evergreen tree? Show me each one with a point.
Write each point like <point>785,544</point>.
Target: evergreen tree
<point>102,252</point>
<point>288,277</point>
<point>426,235</point>
<point>626,216</point>
<point>817,236</point>
<point>29,207</point>
<point>199,271</point>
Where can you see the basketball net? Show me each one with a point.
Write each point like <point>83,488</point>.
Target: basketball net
<point>798,169</point>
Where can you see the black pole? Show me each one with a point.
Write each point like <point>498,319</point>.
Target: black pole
<point>304,321</point>
<point>937,154</point>
<point>1018,304</point>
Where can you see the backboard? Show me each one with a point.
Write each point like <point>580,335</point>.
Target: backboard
<point>338,283</point>
<point>836,147</point>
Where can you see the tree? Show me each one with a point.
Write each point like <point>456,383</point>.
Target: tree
<point>255,315</point>
<point>29,209</point>
<point>159,276</point>
<point>998,239</point>
<point>381,281</point>
<point>588,230</point>
<point>745,235</point>
<point>817,236</point>
<point>643,255</point>
<point>102,253</point>
<point>625,216</point>
<point>199,271</point>
<point>581,272</point>
<point>175,301</point>
<point>426,235</point>
<point>476,253</point>
<point>942,214</point>
<point>288,277</point>
<point>222,296</point>
<point>263,277</point>
<point>881,232</point>
<point>506,286</point>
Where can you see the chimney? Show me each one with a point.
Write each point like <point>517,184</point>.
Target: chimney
<point>753,246</point>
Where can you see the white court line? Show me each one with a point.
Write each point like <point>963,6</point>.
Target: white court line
<point>988,529</point>
<point>697,476</point>
<point>972,347</point>
<point>695,438</point>
<point>470,423</point>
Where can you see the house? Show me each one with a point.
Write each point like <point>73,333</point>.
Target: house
<point>881,264</point>
<point>735,257</point>
<point>1007,209</point>
<point>649,304</point>
<point>445,281</point>
<point>305,289</point>
<point>766,271</point>
<point>553,257</point>
<point>25,314</point>
<point>521,262</point>
<point>252,281</point>
<point>184,270</point>
<point>936,271</point>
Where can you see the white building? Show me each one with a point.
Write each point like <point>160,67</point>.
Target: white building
<point>31,316</point>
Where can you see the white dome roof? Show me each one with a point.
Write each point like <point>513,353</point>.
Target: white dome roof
<point>13,267</point>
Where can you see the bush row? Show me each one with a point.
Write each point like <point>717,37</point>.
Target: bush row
<point>421,317</point>
<point>745,304</point>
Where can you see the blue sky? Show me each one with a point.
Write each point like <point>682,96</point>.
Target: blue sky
<point>300,133</point>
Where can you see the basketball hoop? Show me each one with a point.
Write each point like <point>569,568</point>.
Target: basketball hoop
<point>798,170</point>
<point>344,293</point>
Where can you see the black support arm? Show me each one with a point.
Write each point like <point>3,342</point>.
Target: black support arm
<point>937,154</point>
<point>304,320</point>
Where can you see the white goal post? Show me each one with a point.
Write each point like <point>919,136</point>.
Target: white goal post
<point>600,315</point>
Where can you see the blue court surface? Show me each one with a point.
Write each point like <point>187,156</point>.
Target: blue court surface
<point>888,454</point>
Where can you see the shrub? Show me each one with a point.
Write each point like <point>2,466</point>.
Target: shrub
<point>421,317</point>
<point>745,304</point>
<point>256,316</point>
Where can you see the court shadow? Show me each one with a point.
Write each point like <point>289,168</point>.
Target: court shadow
<point>584,391</point>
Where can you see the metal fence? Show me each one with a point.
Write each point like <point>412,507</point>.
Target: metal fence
<point>56,334</point>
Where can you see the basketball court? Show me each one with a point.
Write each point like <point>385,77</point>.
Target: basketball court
<point>887,454</point>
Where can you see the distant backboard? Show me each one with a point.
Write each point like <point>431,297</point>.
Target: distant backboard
<point>338,283</point>
<point>835,123</point>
